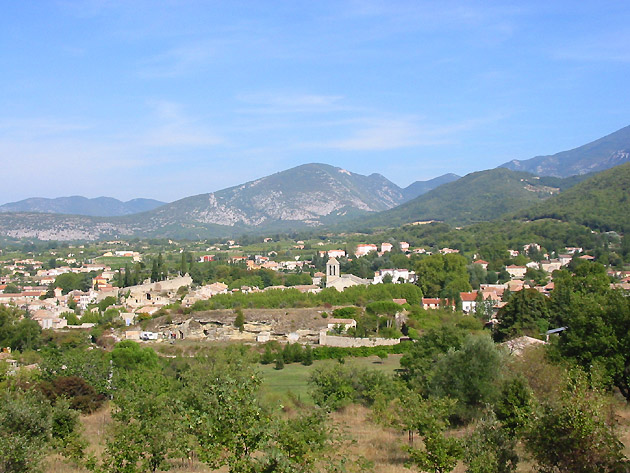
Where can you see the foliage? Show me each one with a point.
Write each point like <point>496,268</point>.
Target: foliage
<point>526,313</point>
<point>80,394</point>
<point>144,404</point>
<point>16,332</point>
<point>598,325</point>
<point>129,355</point>
<point>443,275</point>
<point>71,281</point>
<point>600,202</point>
<point>490,448</point>
<point>91,365</point>
<point>335,386</point>
<point>469,374</point>
<point>575,434</point>
<point>421,357</point>
<point>29,428</point>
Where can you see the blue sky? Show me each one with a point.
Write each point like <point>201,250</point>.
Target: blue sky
<point>174,98</point>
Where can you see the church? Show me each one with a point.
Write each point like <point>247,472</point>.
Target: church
<point>339,281</point>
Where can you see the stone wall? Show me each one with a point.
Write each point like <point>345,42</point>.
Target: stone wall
<point>349,342</point>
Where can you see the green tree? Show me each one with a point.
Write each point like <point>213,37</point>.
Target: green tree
<point>144,403</point>
<point>574,434</point>
<point>129,355</point>
<point>526,313</point>
<point>239,321</point>
<point>11,288</point>
<point>470,375</point>
<point>490,448</point>
<point>30,428</point>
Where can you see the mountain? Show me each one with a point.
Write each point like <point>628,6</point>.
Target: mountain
<point>307,195</point>
<point>422,187</point>
<point>601,202</point>
<point>476,197</point>
<point>77,205</point>
<point>598,155</point>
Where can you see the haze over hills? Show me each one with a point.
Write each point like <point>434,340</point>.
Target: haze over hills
<point>604,153</point>
<point>78,205</point>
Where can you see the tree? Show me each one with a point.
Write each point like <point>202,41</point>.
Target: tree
<point>220,395</point>
<point>30,428</point>
<point>470,375</point>
<point>279,361</point>
<point>526,313</point>
<point>598,336</point>
<point>307,356</point>
<point>144,403</point>
<point>129,355</point>
<point>420,360</point>
<point>11,288</point>
<point>490,448</point>
<point>442,275</point>
<point>574,434</point>
<point>239,321</point>
<point>331,386</point>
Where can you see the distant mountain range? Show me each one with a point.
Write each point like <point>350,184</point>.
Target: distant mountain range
<point>601,154</point>
<point>307,195</point>
<point>78,205</point>
<point>324,196</point>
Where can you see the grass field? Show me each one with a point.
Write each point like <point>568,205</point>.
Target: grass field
<point>115,262</point>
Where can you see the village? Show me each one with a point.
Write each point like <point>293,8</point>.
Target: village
<point>138,310</point>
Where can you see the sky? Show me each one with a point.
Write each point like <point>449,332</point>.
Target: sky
<point>167,99</point>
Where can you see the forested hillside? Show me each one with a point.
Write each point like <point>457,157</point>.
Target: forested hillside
<point>601,202</point>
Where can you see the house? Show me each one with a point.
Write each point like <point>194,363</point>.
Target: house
<point>404,246</point>
<point>336,253</point>
<point>515,285</point>
<point>516,271</point>
<point>549,266</point>
<point>565,259</point>
<point>386,247</point>
<point>448,251</point>
<point>469,301</point>
<point>482,263</point>
<point>431,303</point>
<point>364,249</point>
<point>397,275</point>
<point>157,293</point>
<point>344,323</point>
<point>47,320</point>
<point>531,247</point>
<point>206,258</point>
<point>128,317</point>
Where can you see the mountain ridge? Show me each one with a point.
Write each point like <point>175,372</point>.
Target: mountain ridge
<point>601,154</point>
<point>79,205</point>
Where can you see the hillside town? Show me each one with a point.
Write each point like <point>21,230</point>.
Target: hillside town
<point>44,288</point>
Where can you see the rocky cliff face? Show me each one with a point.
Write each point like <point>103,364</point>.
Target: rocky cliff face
<point>307,195</point>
